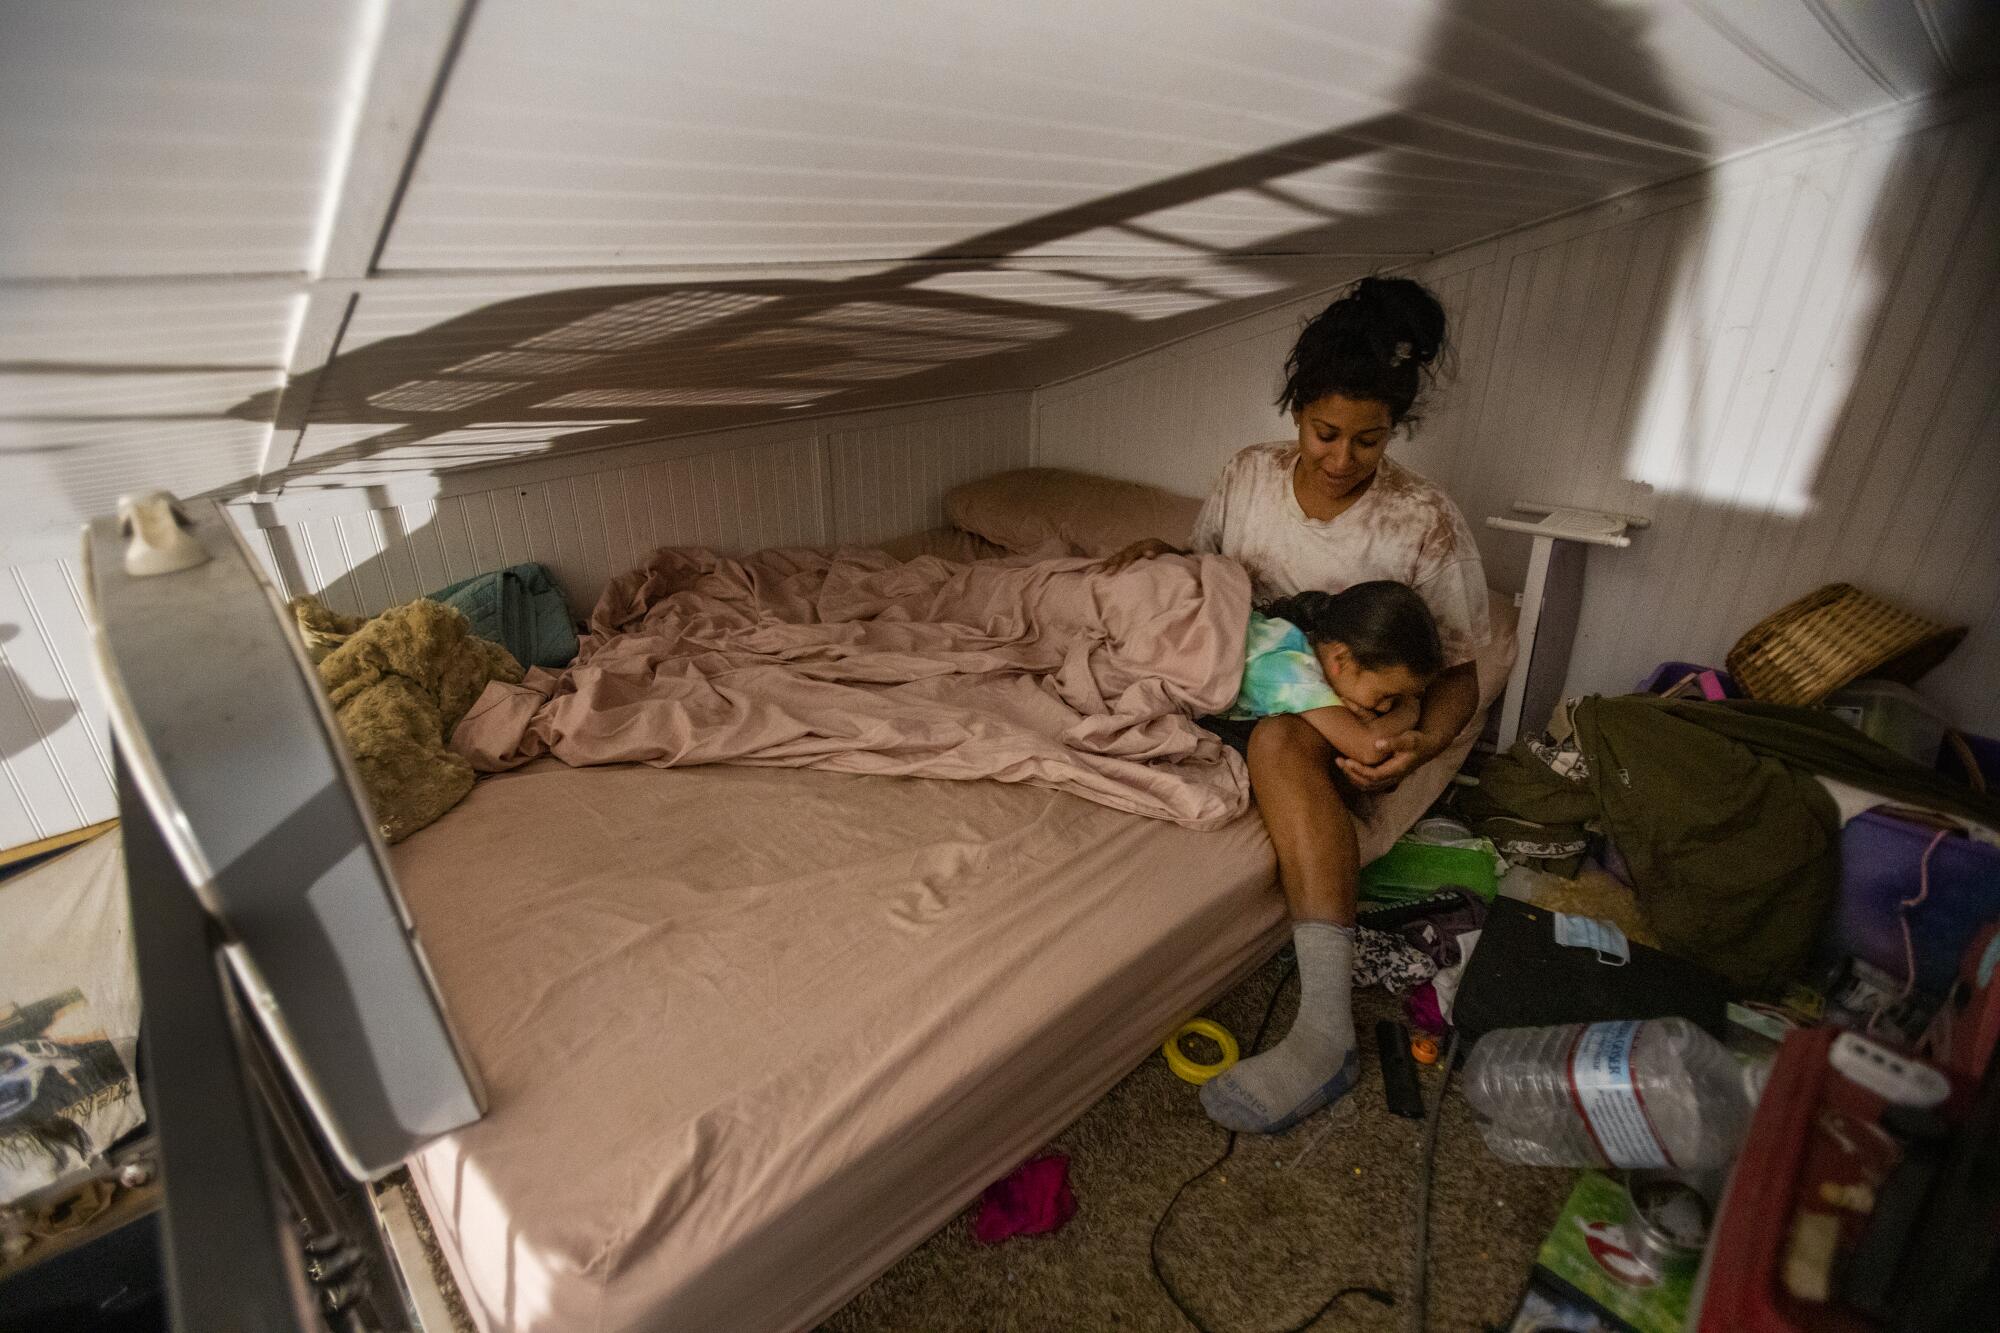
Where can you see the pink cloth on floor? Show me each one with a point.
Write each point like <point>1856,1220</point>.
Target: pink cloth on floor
<point>1420,1006</point>
<point>1035,1199</point>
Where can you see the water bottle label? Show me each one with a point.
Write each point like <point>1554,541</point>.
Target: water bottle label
<point>1606,1093</point>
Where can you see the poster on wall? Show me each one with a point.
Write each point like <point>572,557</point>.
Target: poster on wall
<point>69,1019</point>
<point>65,1094</point>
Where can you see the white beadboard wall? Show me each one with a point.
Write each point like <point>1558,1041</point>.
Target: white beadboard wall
<point>55,759</point>
<point>1784,362</point>
<point>834,481</point>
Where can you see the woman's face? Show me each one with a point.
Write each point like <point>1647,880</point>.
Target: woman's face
<point>1341,440</point>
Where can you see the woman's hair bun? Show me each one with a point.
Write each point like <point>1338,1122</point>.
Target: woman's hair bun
<point>1378,340</point>
<point>1408,318</point>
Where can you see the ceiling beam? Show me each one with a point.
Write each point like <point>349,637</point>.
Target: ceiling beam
<point>407,49</point>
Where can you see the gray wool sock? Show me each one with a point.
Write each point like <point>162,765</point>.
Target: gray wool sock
<point>1316,1063</point>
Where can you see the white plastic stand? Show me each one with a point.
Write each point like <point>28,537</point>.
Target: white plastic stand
<point>1551,600</point>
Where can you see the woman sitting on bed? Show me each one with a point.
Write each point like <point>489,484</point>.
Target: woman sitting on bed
<point>1325,512</point>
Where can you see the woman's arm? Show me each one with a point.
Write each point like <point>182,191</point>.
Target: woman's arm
<point>1448,705</point>
<point>1143,549</point>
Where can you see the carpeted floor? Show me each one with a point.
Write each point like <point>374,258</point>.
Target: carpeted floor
<point>440,1270</point>
<point>1258,1245</point>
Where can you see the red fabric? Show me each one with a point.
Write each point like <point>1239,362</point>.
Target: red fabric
<point>1033,1200</point>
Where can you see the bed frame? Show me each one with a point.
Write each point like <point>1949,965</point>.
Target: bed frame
<point>264,1231</point>
<point>269,935</point>
<point>238,955</point>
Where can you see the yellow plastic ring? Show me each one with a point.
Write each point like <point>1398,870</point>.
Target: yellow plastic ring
<point>1198,1074</point>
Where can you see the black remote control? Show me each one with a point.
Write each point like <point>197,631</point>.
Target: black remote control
<point>1399,1070</point>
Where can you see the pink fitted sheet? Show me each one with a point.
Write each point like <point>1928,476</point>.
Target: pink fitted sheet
<point>750,1034</point>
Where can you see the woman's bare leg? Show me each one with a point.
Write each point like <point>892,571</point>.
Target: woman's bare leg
<point>1319,869</point>
<point>1319,858</point>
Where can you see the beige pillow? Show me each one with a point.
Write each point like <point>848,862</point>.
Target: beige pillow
<point>1046,511</point>
<point>954,544</point>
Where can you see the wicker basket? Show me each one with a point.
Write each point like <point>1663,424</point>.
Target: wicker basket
<point>1803,652</point>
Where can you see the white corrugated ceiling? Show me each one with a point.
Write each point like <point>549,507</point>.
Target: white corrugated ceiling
<point>258,246</point>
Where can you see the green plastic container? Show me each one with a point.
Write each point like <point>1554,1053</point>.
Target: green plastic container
<point>1410,870</point>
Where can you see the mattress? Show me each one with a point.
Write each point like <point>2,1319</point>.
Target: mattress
<point>749,1035</point>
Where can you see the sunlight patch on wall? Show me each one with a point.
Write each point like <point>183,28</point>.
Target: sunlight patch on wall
<point>936,319</point>
<point>1141,297</point>
<point>648,320</point>
<point>685,398</point>
<point>912,346</point>
<point>1771,327</point>
<point>1248,219</point>
<point>1120,240</point>
<point>390,311</point>
<point>526,363</point>
<point>440,395</point>
<point>856,371</point>
<point>467,446</point>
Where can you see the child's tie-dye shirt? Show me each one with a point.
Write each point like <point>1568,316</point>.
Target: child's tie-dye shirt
<point>1281,674</point>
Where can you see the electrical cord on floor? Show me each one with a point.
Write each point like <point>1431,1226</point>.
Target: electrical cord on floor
<point>1420,1278</point>
<point>1375,1294</point>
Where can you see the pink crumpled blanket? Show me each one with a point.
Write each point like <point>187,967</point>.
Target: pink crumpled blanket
<point>1054,673</point>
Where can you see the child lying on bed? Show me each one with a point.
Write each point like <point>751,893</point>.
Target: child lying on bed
<point>1354,664</point>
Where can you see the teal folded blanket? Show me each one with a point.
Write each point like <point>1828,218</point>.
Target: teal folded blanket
<point>519,608</point>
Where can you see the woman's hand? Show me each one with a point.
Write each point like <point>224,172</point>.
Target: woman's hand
<point>1144,549</point>
<point>1447,706</point>
<point>1400,755</point>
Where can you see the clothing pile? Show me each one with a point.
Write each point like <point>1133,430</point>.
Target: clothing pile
<point>1718,809</point>
<point>1401,948</point>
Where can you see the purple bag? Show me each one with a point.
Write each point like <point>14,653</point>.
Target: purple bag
<point>1882,867</point>
<point>1706,682</point>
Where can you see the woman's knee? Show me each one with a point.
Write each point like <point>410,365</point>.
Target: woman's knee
<point>1287,738</point>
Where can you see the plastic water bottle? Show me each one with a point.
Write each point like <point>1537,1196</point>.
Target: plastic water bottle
<point>1661,1093</point>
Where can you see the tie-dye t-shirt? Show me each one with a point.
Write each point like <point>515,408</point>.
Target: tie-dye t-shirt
<point>1403,528</point>
<point>1281,674</point>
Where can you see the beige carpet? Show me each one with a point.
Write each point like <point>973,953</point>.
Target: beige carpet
<point>1258,1245</point>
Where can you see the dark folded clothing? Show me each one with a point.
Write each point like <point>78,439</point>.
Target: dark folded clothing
<point>519,608</point>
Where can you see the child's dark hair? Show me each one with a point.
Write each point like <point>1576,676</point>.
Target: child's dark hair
<point>1376,342</point>
<point>1383,624</point>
